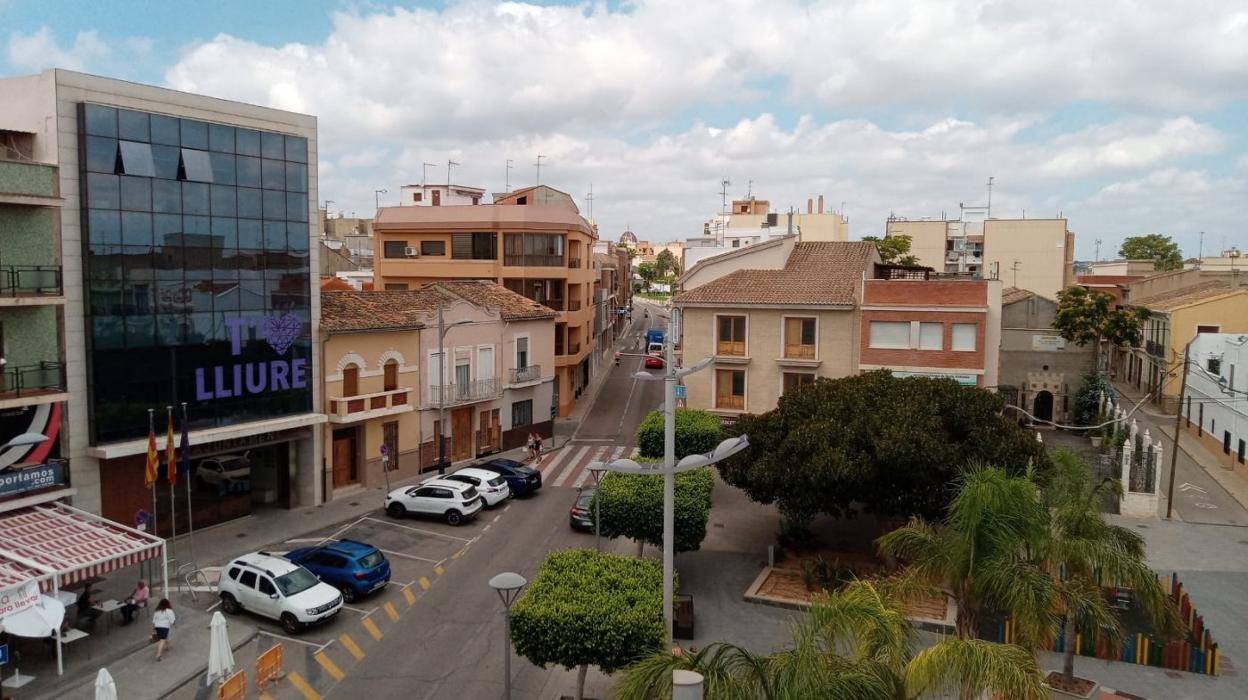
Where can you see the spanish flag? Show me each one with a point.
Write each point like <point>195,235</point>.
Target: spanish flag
<point>170,456</point>
<point>153,460</point>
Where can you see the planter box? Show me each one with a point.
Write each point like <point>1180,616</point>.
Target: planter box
<point>1096,440</point>
<point>1091,691</point>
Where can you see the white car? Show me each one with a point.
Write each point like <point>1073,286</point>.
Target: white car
<point>277,588</point>
<point>224,470</point>
<point>492,487</point>
<point>452,501</point>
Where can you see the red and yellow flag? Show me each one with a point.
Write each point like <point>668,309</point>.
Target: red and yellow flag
<point>153,460</point>
<point>170,457</point>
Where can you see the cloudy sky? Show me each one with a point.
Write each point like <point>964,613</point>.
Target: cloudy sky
<point>1125,116</point>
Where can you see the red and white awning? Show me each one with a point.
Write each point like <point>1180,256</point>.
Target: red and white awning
<point>57,540</point>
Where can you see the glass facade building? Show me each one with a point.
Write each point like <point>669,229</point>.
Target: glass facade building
<point>197,280</point>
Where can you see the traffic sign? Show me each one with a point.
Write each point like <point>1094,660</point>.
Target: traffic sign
<point>4,654</point>
<point>680,391</point>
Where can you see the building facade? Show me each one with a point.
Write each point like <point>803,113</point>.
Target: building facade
<point>541,251</point>
<point>382,386</point>
<point>188,243</point>
<point>1215,407</point>
<point>439,195</point>
<point>1040,371</point>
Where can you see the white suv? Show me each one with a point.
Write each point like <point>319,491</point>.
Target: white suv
<point>453,501</point>
<point>492,487</point>
<point>275,587</point>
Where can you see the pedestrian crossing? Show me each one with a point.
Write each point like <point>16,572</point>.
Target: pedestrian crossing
<point>569,467</point>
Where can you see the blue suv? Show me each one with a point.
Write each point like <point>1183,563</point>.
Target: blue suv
<point>521,478</point>
<point>355,568</point>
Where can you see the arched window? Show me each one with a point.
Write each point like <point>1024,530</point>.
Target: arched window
<point>350,380</point>
<point>391,372</point>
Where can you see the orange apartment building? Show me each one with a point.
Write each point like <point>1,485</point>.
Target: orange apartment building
<point>532,241</point>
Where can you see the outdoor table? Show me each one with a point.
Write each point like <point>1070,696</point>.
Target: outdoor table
<point>73,635</point>
<point>106,610</point>
<point>67,598</point>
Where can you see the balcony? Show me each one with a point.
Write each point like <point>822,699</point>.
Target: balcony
<point>511,260</point>
<point>574,348</point>
<point>523,375</point>
<point>21,281</point>
<point>574,263</point>
<point>730,403</point>
<point>347,409</point>
<point>730,348</point>
<point>32,380</point>
<point>33,184</point>
<point>574,305</point>
<point>799,352</point>
<point>470,392</point>
<point>1154,348</point>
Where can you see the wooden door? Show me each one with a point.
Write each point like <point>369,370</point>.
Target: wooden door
<point>345,470</point>
<point>461,434</point>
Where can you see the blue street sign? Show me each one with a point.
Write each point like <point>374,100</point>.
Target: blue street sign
<point>680,391</point>
<point>4,654</point>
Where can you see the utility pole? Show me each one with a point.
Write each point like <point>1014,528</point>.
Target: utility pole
<point>589,201</point>
<point>449,163</point>
<point>1200,252</point>
<point>990,179</point>
<point>539,167</point>
<point>507,176</point>
<point>723,209</point>
<point>1178,426</point>
<point>1098,248</point>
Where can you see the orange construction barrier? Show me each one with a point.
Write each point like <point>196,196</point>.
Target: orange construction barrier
<point>269,666</point>
<point>233,688</point>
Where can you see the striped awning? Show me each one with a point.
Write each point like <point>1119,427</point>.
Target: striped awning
<point>57,540</point>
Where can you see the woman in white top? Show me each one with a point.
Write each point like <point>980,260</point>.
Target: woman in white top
<point>162,620</point>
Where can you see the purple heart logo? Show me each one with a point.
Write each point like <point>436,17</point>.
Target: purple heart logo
<point>281,331</point>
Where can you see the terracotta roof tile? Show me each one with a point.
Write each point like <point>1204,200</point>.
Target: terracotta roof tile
<point>1009,295</point>
<point>343,312</point>
<point>512,306</point>
<point>1175,298</point>
<point>824,273</point>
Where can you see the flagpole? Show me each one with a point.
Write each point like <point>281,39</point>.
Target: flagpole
<point>151,437</point>
<point>185,459</point>
<point>171,474</point>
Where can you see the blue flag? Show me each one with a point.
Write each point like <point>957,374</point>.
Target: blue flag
<point>184,449</point>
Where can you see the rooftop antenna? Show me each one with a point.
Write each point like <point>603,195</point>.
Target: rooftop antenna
<point>990,179</point>
<point>589,201</point>
<point>1098,250</point>
<point>539,167</point>
<point>749,190</point>
<point>449,163</point>
<point>1017,264</point>
<point>424,171</point>
<point>1200,252</point>
<point>723,209</point>
<point>507,176</point>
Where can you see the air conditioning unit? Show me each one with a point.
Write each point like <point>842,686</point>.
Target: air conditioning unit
<point>411,252</point>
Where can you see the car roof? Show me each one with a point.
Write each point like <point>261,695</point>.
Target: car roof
<point>269,563</point>
<point>350,548</point>
<point>446,483</point>
<point>479,473</point>
<point>501,462</point>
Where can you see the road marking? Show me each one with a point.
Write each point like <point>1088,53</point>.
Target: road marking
<point>409,596</point>
<point>306,643</point>
<point>595,439</point>
<point>407,556</point>
<point>214,606</point>
<point>416,529</point>
<point>351,646</point>
<point>486,528</point>
<point>1205,504</point>
<point>359,610</point>
<point>373,629</point>
<point>1185,486</point>
<point>439,570</point>
<point>567,473</point>
<point>390,611</point>
<point>496,517</point>
<point>302,686</point>
<point>424,583</point>
<point>330,667</point>
<point>553,464</point>
<point>586,474</point>
<point>507,508</point>
<point>265,696</point>
<point>343,529</point>
<point>458,554</point>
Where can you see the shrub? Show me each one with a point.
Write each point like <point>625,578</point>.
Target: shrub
<point>697,432</point>
<point>632,507</point>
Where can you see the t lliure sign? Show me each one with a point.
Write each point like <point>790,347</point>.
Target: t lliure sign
<point>251,378</point>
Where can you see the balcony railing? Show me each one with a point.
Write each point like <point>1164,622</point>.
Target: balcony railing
<point>343,407</point>
<point>730,347</point>
<point>799,352</point>
<point>451,394</point>
<point>574,263</point>
<point>533,260</point>
<point>574,348</point>
<point>520,375</point>
<point>732,403</point>
<point>28,380</point>
<point>574,305</point>
<point>1154,348</point>
<point>30,280</point>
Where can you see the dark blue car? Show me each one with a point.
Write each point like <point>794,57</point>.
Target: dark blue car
<point>521,478</point>
<point>355,568</point>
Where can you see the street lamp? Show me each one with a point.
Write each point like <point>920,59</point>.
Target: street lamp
<point>508,585</point>
<point>377,199</point>
<point>442,331</point>
<point>596,470</point>
<point>670,467</point>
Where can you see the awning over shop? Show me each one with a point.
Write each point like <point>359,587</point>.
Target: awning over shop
<point>57,541</point>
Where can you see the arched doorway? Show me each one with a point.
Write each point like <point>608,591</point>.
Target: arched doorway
<point>1042,408</point>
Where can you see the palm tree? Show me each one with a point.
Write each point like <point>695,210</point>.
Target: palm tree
<point>978,555</point>
<point>855,644</point>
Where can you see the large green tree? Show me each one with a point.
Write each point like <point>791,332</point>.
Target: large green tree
<point>648,272</point>
<point>632,506</point>
<point>894,250</point>
<point>667,263</point>
<point>894,444</point>
<point>1160,249</point>
<point>587,609</point>
<point>697,432</point>
<point>1085,317</point>
<point>855,644</point>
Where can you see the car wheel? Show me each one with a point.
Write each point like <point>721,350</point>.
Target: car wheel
<point>229,604</point>
<point>396,510</point>
<point>348,593</point>
<point>291,624</point>
<point>454,517</point>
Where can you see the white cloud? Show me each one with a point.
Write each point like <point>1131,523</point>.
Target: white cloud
<point>1115,147</point>
<point>39,50</point>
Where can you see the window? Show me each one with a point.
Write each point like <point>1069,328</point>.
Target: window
<point>416,197</point>
<point>964,336</point>
<point>730,389</point>
<point>799,338</point>
<point>522,352</point>
<point>350,380</point>
<point>390,375</point>
<point>396,286</point>
<point>931,336</point>
<point>474,246</point>
<point>196,166</point>
<point>136,159</point>
<point>533,249</point>
<point>889,334</point>
<point>793,380</point>
<point>437,197</point>
<point>234,572</point>
<point>1199,329</point>
<point>730,339</point>
<point>266,586</point>
<point>485,363</point>
<point>521,413</point>
<point>248,579</point>
<point>433,247</point>
<point>1215,365</point>
<point>1226,441</point>
<point>394,249</point>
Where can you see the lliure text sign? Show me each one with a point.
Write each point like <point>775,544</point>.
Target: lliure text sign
<point>249,378</point>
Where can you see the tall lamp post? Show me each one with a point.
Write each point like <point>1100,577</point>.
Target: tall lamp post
<point>670,467</point>
<point>377,199</point>
<point>442,331</point>
<point>508,586</point>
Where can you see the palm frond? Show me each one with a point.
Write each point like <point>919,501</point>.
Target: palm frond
<point>978,667</point>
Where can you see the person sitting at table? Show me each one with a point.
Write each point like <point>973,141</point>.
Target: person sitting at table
<point>138,599</point>
<point>86,607</point>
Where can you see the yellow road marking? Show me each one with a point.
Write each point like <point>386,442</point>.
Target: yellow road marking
<point>351,646</point>
<point>372,628</point>
<point>458,554</point>
<point>439,570</point>
<point>409,596</point>
<point>330,667</point>
<point>265,696</point>
<point>424,583</point>
<point>302,686</point>
<point>390,611</point>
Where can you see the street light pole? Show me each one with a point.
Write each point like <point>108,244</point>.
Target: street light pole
<point>508,586</point>
<point>597,474</point>
<point>1178,426</point>
<point>441,394</point>
<point>669,476</point>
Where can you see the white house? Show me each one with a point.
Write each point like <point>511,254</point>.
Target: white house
<point>1215,406</point>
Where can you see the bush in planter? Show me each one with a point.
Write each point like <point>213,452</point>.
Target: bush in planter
<point>632,506</point>
<point>697,432</point>
<point>1088,399</point>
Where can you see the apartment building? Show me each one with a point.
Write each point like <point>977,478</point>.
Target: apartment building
<point>1032,254</point>
<point>1040,371</point>
<point>439,195</point>
<point>533,242</point>
<point>751,222</point>
<point>389,382</point>
<point>1215,407</point>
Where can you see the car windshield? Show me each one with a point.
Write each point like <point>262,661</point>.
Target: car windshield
<point>586,496</point>
<point>296,582</point>
<point>370,560</point>
<point>496,481</point>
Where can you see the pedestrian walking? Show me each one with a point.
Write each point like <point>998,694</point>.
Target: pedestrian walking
<point>530,446</point>
<point>162,623</point>
<point>537,448</point>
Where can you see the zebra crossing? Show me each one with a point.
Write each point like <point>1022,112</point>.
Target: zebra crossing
<point>569,467</point>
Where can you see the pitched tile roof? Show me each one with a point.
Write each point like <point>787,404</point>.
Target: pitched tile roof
<point>512,306</point>
<point>1009,295</point>
<point>1183,296</point>
<point>381,310</point>
<point>335,284</point>
<point>822,273</point>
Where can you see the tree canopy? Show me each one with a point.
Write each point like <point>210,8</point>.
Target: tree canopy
<point>697,432</point>
<point>648,272</point>
<point>667,263</point>
<point>894,250</point>
<point>895,445</point>
<point>1160,249</point>
<point>1086,317</point>
<point>632,507</point>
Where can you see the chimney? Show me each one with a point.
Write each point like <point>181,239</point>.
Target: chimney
<point>820,204</point>
<point>810,206</point>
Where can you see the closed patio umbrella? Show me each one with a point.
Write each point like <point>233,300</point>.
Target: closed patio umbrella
<point>220,656</point>
<point>105,688</point>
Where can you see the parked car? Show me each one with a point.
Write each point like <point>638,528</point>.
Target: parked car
<point>224,470</point>
<point>654,356</point>
<point>452,501</point>
<point>277,588</point>
<point>491,485</point>
<point>581,517</point>
<point>521,478</point>
<point>355,568</point>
